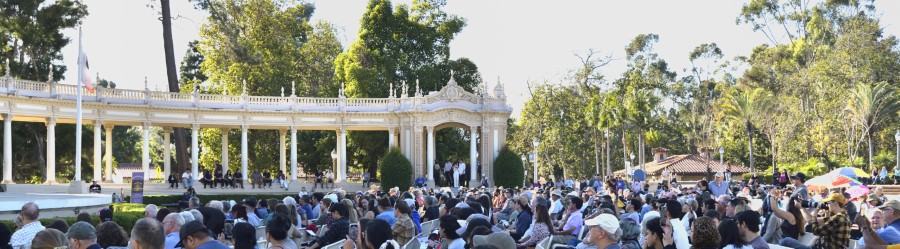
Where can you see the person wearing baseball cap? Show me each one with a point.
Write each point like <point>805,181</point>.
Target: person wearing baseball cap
<point>799,181</point>
<point>718,187</point>
<point>557,207</point>
<point>603,231</point>
<point>891,231</point>
<point>82,235</point>
<point>500,240</point>
<point>195,235</point>
<point>834,228</point>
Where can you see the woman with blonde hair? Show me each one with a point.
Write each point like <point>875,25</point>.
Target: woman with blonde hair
<point>50,239</point>
<point>354,215</point>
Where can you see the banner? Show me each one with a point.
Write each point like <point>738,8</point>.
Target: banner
<point>137,187</point>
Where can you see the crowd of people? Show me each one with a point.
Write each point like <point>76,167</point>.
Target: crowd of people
<point>586,213</point>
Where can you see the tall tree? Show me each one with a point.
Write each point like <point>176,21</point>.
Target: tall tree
<point>181,153</point>
<point>746,107</point>
<point>870,106</point>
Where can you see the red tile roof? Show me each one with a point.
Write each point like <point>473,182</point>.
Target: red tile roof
<point>688,165</point>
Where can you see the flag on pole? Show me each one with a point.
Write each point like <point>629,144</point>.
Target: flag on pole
<point>84,68</point>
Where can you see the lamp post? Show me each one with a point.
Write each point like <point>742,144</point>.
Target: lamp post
<point>608,166</point>
<point>722,155</point>
<point>535,143</point>
<point>334,157</point>
<point>525,175</point>
<point>629,163</point>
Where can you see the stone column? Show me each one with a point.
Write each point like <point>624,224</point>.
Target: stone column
<point>390,138</point>
<point>97,150</point>
<point>195,152</point>
<point>145,151</point>
<point>167,152</point>
<point>430,152</point>
<point>7,149</point>
<point>51,151</point>
<point>293,153</point>
<point>244,129</point>
<point>108,155</point>
<point>473,151</point>
<point>282,165</point>
<point>225,149</point>
<point>342,175</point>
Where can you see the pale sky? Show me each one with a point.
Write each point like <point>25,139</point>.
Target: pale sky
<point>517,41</point>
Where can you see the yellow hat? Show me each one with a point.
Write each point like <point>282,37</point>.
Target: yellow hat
<point>839,198</point>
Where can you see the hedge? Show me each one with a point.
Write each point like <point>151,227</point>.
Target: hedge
<point>171,199</point>
<point>124,214</point>
<point>508,169</point>
<point>395,170</point>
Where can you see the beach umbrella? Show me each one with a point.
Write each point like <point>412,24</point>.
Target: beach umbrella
<point>640,175</point>
<point>857,191</point>
<point>831,180</point>
<point>854,172</point>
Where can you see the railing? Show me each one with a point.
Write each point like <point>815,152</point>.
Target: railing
<point>109,94</point>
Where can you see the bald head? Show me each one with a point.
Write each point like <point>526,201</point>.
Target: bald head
<point>30,212</point>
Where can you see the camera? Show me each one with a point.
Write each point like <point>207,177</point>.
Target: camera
<point>810,204</point>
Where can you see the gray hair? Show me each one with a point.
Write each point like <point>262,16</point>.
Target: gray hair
<point>288,201</point>
<point>31,211</point>
<point>187,216</point>
<point>195,202</point>
<point>615,236</point>
<point>216,204</point>
<point>149,233</point>
<point>177,217</point>
<point>151,209</point>
<point>197,215</point>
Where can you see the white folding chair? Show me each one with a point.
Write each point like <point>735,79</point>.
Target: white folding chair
<point>412,244</point>
<point>807,239</point>
<point>544,244</point>
<point>261,232</point>
<point>335,245</point>
<point>774,246</point>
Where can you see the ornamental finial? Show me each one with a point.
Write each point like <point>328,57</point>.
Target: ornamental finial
<point>418,91</point>
<point>145,83</point>
<point>282,92</point>
<point>391,91</point>
<point>8,61</point>
<point>244,85</point>
<point>341,91</point>
<point>293,90</point>
<point>50,74</point>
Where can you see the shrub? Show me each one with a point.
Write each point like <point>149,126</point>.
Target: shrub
<point>508,169</point>
<point>395,170</point>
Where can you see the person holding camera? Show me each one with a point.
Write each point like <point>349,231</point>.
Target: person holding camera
<point>833,228</point>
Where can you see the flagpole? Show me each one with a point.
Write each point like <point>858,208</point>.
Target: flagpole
<point>78,113</point>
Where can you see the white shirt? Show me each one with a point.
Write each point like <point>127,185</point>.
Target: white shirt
<point>556,207</point>
<point>462,168</point>
<point>186,175</point>
<point>742,247</point>
<point>680,234</point>
<point>447,166</point>
<point>457,244</point>
<point>24,236</point>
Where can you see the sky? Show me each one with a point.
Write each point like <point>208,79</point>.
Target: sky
<point>513,42</point>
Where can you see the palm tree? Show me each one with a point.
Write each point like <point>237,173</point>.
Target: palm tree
<point>745,106</point>
<point>869,106</point>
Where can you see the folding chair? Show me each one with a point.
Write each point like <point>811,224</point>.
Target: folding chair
<point>335,245</point>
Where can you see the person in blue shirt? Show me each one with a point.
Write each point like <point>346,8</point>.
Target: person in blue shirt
<point>386,211</point>
<point>316,202</point>
<point>891,231</point>
<point>307,209</point>
<point>718,187</point>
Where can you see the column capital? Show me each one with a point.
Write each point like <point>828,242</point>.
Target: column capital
<point>147,124</point>
<point>98,123</point>
<point>7,116</point>
<point>195,127</point>
<point>167,129</point>
<point>430,128</point>
<point>108,127</point>
<point>293,128</point>
<point>245,127</point>
<point>50,121</point>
